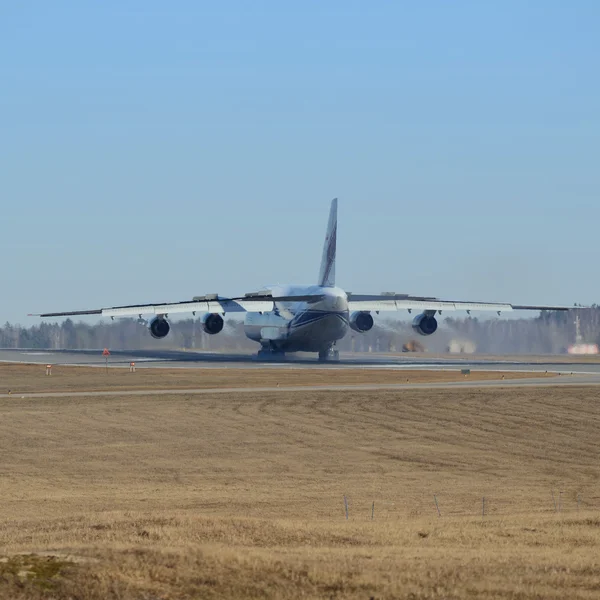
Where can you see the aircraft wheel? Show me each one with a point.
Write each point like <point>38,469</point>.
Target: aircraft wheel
<point>329,355</point>
<point>268,354</point>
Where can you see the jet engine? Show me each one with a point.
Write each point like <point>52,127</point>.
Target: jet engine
<point>425,324</point>
<point>212,323</point>
<point>159,328</point>
<point>361,321</point>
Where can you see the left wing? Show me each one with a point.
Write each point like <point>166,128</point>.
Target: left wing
<point>212,303</point>
<point>395,302</point>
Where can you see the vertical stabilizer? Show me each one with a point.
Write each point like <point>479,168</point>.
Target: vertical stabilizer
<point>327,272</point>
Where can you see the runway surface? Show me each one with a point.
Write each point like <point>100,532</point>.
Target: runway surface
<point>571,373</point>
<point>192,360</point>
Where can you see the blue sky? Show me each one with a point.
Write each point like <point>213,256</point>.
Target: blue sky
<point>154,151</point>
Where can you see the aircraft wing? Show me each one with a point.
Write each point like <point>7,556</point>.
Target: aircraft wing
<point>396,302</point>
<point>212,303</point>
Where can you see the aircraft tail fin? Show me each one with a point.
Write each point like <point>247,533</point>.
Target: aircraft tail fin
<point>327,272</point>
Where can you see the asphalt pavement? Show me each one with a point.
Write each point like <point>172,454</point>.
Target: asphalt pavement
<point>192,360</point>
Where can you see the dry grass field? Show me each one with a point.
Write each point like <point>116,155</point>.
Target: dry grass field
<point>201,496</point>
<point>32,378</point>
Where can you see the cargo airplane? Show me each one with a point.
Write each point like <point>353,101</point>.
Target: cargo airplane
<point>292,318</point>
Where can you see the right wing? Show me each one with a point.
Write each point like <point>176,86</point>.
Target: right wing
<point>212,303</point>
<point>396,302</point>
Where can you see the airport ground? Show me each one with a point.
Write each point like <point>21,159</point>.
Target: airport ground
<point>199,493</point>
<point>19,379</point>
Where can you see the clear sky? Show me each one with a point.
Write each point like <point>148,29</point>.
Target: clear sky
<point>153,151</point>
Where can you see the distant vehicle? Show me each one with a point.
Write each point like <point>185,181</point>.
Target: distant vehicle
<point>293,318</point>
<point>583,349</point>
<point>413,346</point>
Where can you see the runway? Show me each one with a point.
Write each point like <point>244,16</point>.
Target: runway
<point>206,360</point>
<point>577,372</point>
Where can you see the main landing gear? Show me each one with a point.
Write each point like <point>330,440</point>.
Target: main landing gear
<point>329,355</point>
<point>269,353</point>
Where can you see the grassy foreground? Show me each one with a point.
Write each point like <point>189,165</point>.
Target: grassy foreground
<point>242,496</point>
<point>176,555</point>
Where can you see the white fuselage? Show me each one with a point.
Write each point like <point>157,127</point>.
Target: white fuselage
<point>301,326</point>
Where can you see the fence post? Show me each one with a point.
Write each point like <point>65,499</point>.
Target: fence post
<point>346,506</point>
<point>437,506</point>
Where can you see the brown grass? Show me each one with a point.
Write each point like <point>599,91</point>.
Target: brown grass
<point>242,496</point>
<point>32,378</point>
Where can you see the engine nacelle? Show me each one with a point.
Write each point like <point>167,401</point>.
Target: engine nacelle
<point>361,321</point>
<point>212,323</point>
<point>159,328</point>
<point>425,324</point>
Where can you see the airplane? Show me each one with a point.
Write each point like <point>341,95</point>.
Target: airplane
<point>292,318</point>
